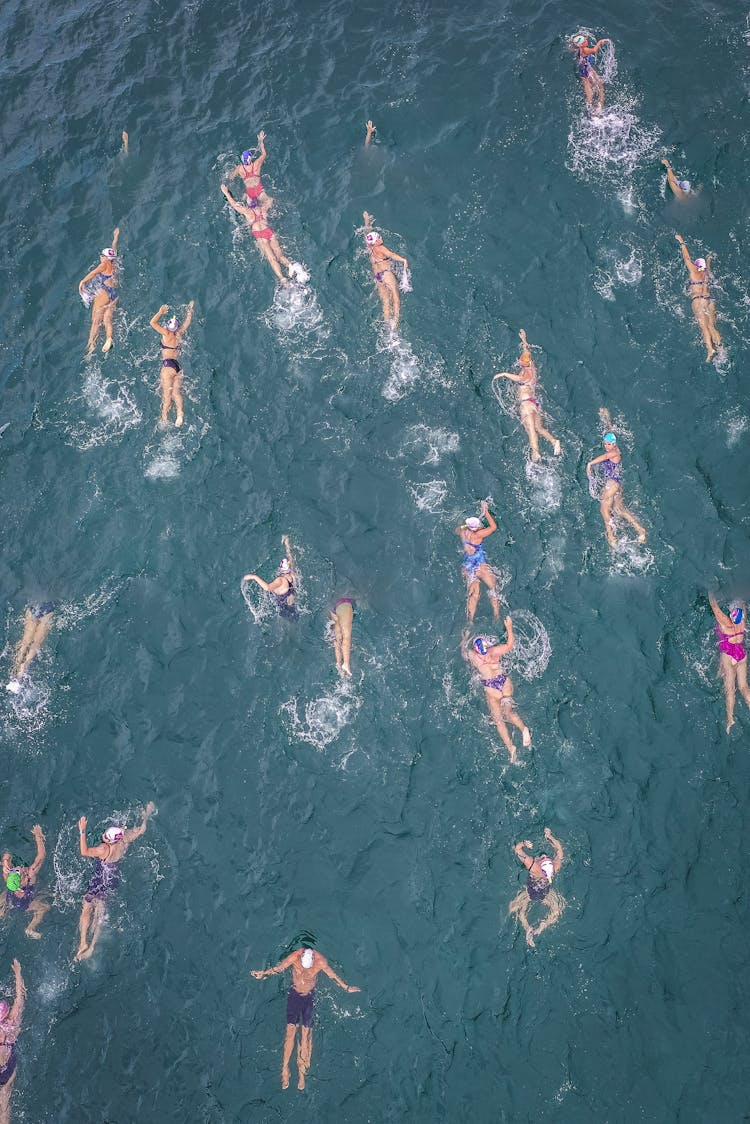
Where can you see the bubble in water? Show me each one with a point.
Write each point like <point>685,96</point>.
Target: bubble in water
<point>531,653</point>
<point>324,717</point>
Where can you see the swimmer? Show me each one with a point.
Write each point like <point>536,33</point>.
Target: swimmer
<point>20,886</point>
<point>730,631</point>
<point>171,371</point>
<point>305,965</point>
<point>593,87</point>
<point>266,240</point>
<point>10,1028</point>
<point>342,615</point>
<point>282,586</point>
<point>36,625</point>
<point>385,278</point>
<point>125,143</point>
<point>484,653</point>
<point>475,566</point>
<point>703,305</point>
<point>681,189</point>
<point>610,501</point>
<point>249,171</point>
<point>103,283</point>
<point>104,881</point>
<point>529,406</point>
<point>538,887</point>
<point>371,130</point>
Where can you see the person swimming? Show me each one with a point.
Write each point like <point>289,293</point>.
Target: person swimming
<point>252,160</point>
<point>103,284</point>
<point>701,301</point>
<point>529,406</point>
<point>385,279</point>
<point>265,238</point>
<point>105,879</point>
<point>342,616</point>
<point>485,653</point>
<point>611,502</point>
<point>681,189</point>
<point>282,588</point>
<point>730,633</point>
<point>593,87</point>
<point>475,566</point>
<point>36,626</point>
<point>10,1028</point>
<point>171,371</point>
<point>538,888</point>
<point>20,886</point>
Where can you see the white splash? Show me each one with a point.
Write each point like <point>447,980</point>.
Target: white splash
<point>430,495</point>
<point>532,650</point>
<point>325,717</point>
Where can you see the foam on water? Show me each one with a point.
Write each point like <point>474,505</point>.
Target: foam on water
<point>261,604</point>
<point>531,653</point>
<point>544,481</point>
<point>434,443</point>
<point>112,402</point>
<point>404,365</point>
<point>325,717</point>
<point>430,495</point>
<point>625,271</point>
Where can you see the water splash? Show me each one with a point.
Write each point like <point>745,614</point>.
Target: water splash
<point>435,443</point>
<point>545,484</point>
<point>261,605</point>
<point>430,495</point>
<point>405,367</point>
<point>532,650</point>
<point>325,717</point>
<point>113,404</point>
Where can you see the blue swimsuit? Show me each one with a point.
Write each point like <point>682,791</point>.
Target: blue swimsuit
<point>473,561</point>
<point>611,471</point>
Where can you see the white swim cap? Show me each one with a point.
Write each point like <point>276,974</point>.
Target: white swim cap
<point>700,263</point>
<point>684,185</point>
<point>114,834</point>
<point>548,867</point>
<point>173,323</point>
<point>109,254</point>
<point>473,523</point>
<point>307,958</point>
<point>284,566</point>
<point>372,238</point>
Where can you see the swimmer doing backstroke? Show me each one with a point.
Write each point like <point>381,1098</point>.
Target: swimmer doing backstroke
<point>475,566</point>
<point>610,500</point>
<point>730,632</point>
<point>484,653</point>
<point>529,405</point>
<point>701,301</point>
<point>593,87</point>
<point>10,1028</point>
<point>538,888</point>
<point>171,372</point>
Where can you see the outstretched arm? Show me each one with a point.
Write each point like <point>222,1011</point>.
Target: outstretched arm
<point>288,548</point>
<point>559,853</point>
<point>262,146</point>
<point>280,967</point>
<point>671,177</point>
<point>155,318</point>
<point>508,375</point>
<point>370,130</point>
<point>502,649</point>
<point>16,1011</point>
<point>685,252</point>
<point>368,220</point>
<point>115,237</point>
<point>395,257</point>
<point>603,457</point>
<point>726,623</point>
<point>98,852</point>
<point>186,322</point>
<point>492,525</point>
<point>135,832</point>
<point>41,851</point>
<point>520,849</point>
<point>595,48</point>
<point>255,578</point>
<point>233,202</point>
<point>326,967</point>
<point>92,273</point>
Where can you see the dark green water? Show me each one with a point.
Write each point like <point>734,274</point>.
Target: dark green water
<point>379,816</point>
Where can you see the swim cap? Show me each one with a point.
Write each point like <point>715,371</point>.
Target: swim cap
<point>173,323</point>
<point>525,358</point>
<point>113,834</point>
<point>735,613</point>
<point>13,881</point>
<point>700,263</point>
<point>4,1010</point>
<point>109,254</point>
<point>548,867</point>
<point>610,438</point>
<point>284,566</point>
<point>473,523</point>
<point>307,958</point>
<point>372,238</point>
<point>484,643</point>
<point>580,40</point>
<point>248,156</point>
<point>684,185</point>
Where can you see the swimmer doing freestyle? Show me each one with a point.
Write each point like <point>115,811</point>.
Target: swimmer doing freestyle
<point>701,301</point>
<point>103,283</point>
<point>538,888</point>
<point>10,1028</point>
<point>681,189</point>
<point>342,615</point>
<point>265,238</point>
<point>282,586</point>
<point>252,160</point>
<point>171,371</point>
<point>305,965</point>
<point>20,886</point>
<point>475,566</point>
<point>484,653</point>
<point>36,625</point>
<point>593,87</point>
<point>385,279</point>
<point>610,501</point>
<point>730,632</point>
<point>104,881</point>
<point>529,406</point>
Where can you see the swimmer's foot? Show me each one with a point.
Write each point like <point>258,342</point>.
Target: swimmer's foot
<point>536,457</point>
<point>81,951</point>
<point>301,1082</point>
<point>730,723</point>
<point>526,737</point>
<point>530,938</point>
<point>85,954</point>
<point>346,670</point>
<point>557,448</point>
<point>14,687</point>
<point>285,1078</point>
<point>33,934</point>
<point>512,753</point>
<point>611,539</point>
<point>642,537</point>
<point>179,420</point>
<point>107,344</point>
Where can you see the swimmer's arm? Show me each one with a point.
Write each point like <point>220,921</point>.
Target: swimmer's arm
<point>527,861</point>
<point>597,460</point>
<point>16,1012</point>
<point>262,146</point>
<point>153,321</point>
<point>326,967</point>
<point>485,531</point>
<point>132,833</point>
<point>280,967</point>
<point>507,375</point>
<point>559,853</point>
<point>115,237</point>
<point>722,618</point>
<point>88,276</point>
<point>233,202</point>
<point>288,547</point>
<point>235,173</point>
<point>255,578</point>
<point>500,650</point>
<point>188,318</point>
<point>370,130</point>
<point>685,252</point>
<point>595,48</point>
<point>671,177</point>
<point>368,220</point>
<point>41,852</point>
<point>395,257</point>
<point>98,852</point>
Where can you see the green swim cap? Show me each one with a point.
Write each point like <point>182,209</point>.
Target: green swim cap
<point>13,881</point>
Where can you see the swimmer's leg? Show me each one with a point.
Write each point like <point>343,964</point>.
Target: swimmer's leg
<point>29,626</point>
<point>741,678</point>
<point>83,928</point>
<point>703,322</point>
<point>528,421</point>
<point>545,433</point>
<point>472,598</point>
<point>5,1092</point>
<point>623,512</point>
<point>605,506</point>
<point>391,285</point>
<point>166,378</point>
<point>729,675</point>
<point>96,928</point>
<point>712,324</point>
<point>488,576</point>
<point>278,252</point>
<point>266,201</point>
<point>97,316</point>
<point>508,704</point>
<point>38,910</point>
<point>337,638</point>
<point>270,257</point>
<point>291,1033</point>
<point>304,1054</point>
<point>108,315</point>
<point>520,906</point>
<point>39,635</point>
<point>177,398</point>
<point>344,615</point>
<point>588,90</point>
<point>496,711</point>
<point>555,906</point>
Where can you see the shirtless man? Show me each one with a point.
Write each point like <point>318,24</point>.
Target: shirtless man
<point>484,654</point>
<point>305,965</point>
<point>529,406</point>
<point>20,886</point>
<point>475,566</point>
<point>538,886</point>
<point>106,877</point>
<point>171,371</point>
<point>10,1028</point>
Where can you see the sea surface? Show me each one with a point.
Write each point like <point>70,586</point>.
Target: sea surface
<point>375,818</point>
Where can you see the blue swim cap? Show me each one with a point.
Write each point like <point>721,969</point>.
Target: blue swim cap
<point>610,438</point>
<point>484,643</point>
<point>736,614</point>
<point>248,156</point>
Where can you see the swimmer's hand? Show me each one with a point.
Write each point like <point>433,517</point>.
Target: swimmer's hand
<point>548,834</point>
<point>249,578</point>
<point>350,988</point>
<point>680,239</point>
<point>164,308</point>
<point>149,809</point>
<point>82,823</point>
<point>528,843</point>
<point>508,622</point>
<point>37,832</point>
<point>367,217</point>
<point>17,967</point>
<point>522,336</point>
<point>261,136</point>
<point>483,507</point>
<point>225,190</point>
<point>665,162</point>
<point>258,975</point>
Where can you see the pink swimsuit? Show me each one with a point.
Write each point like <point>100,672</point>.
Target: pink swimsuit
<point>726,645</point>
